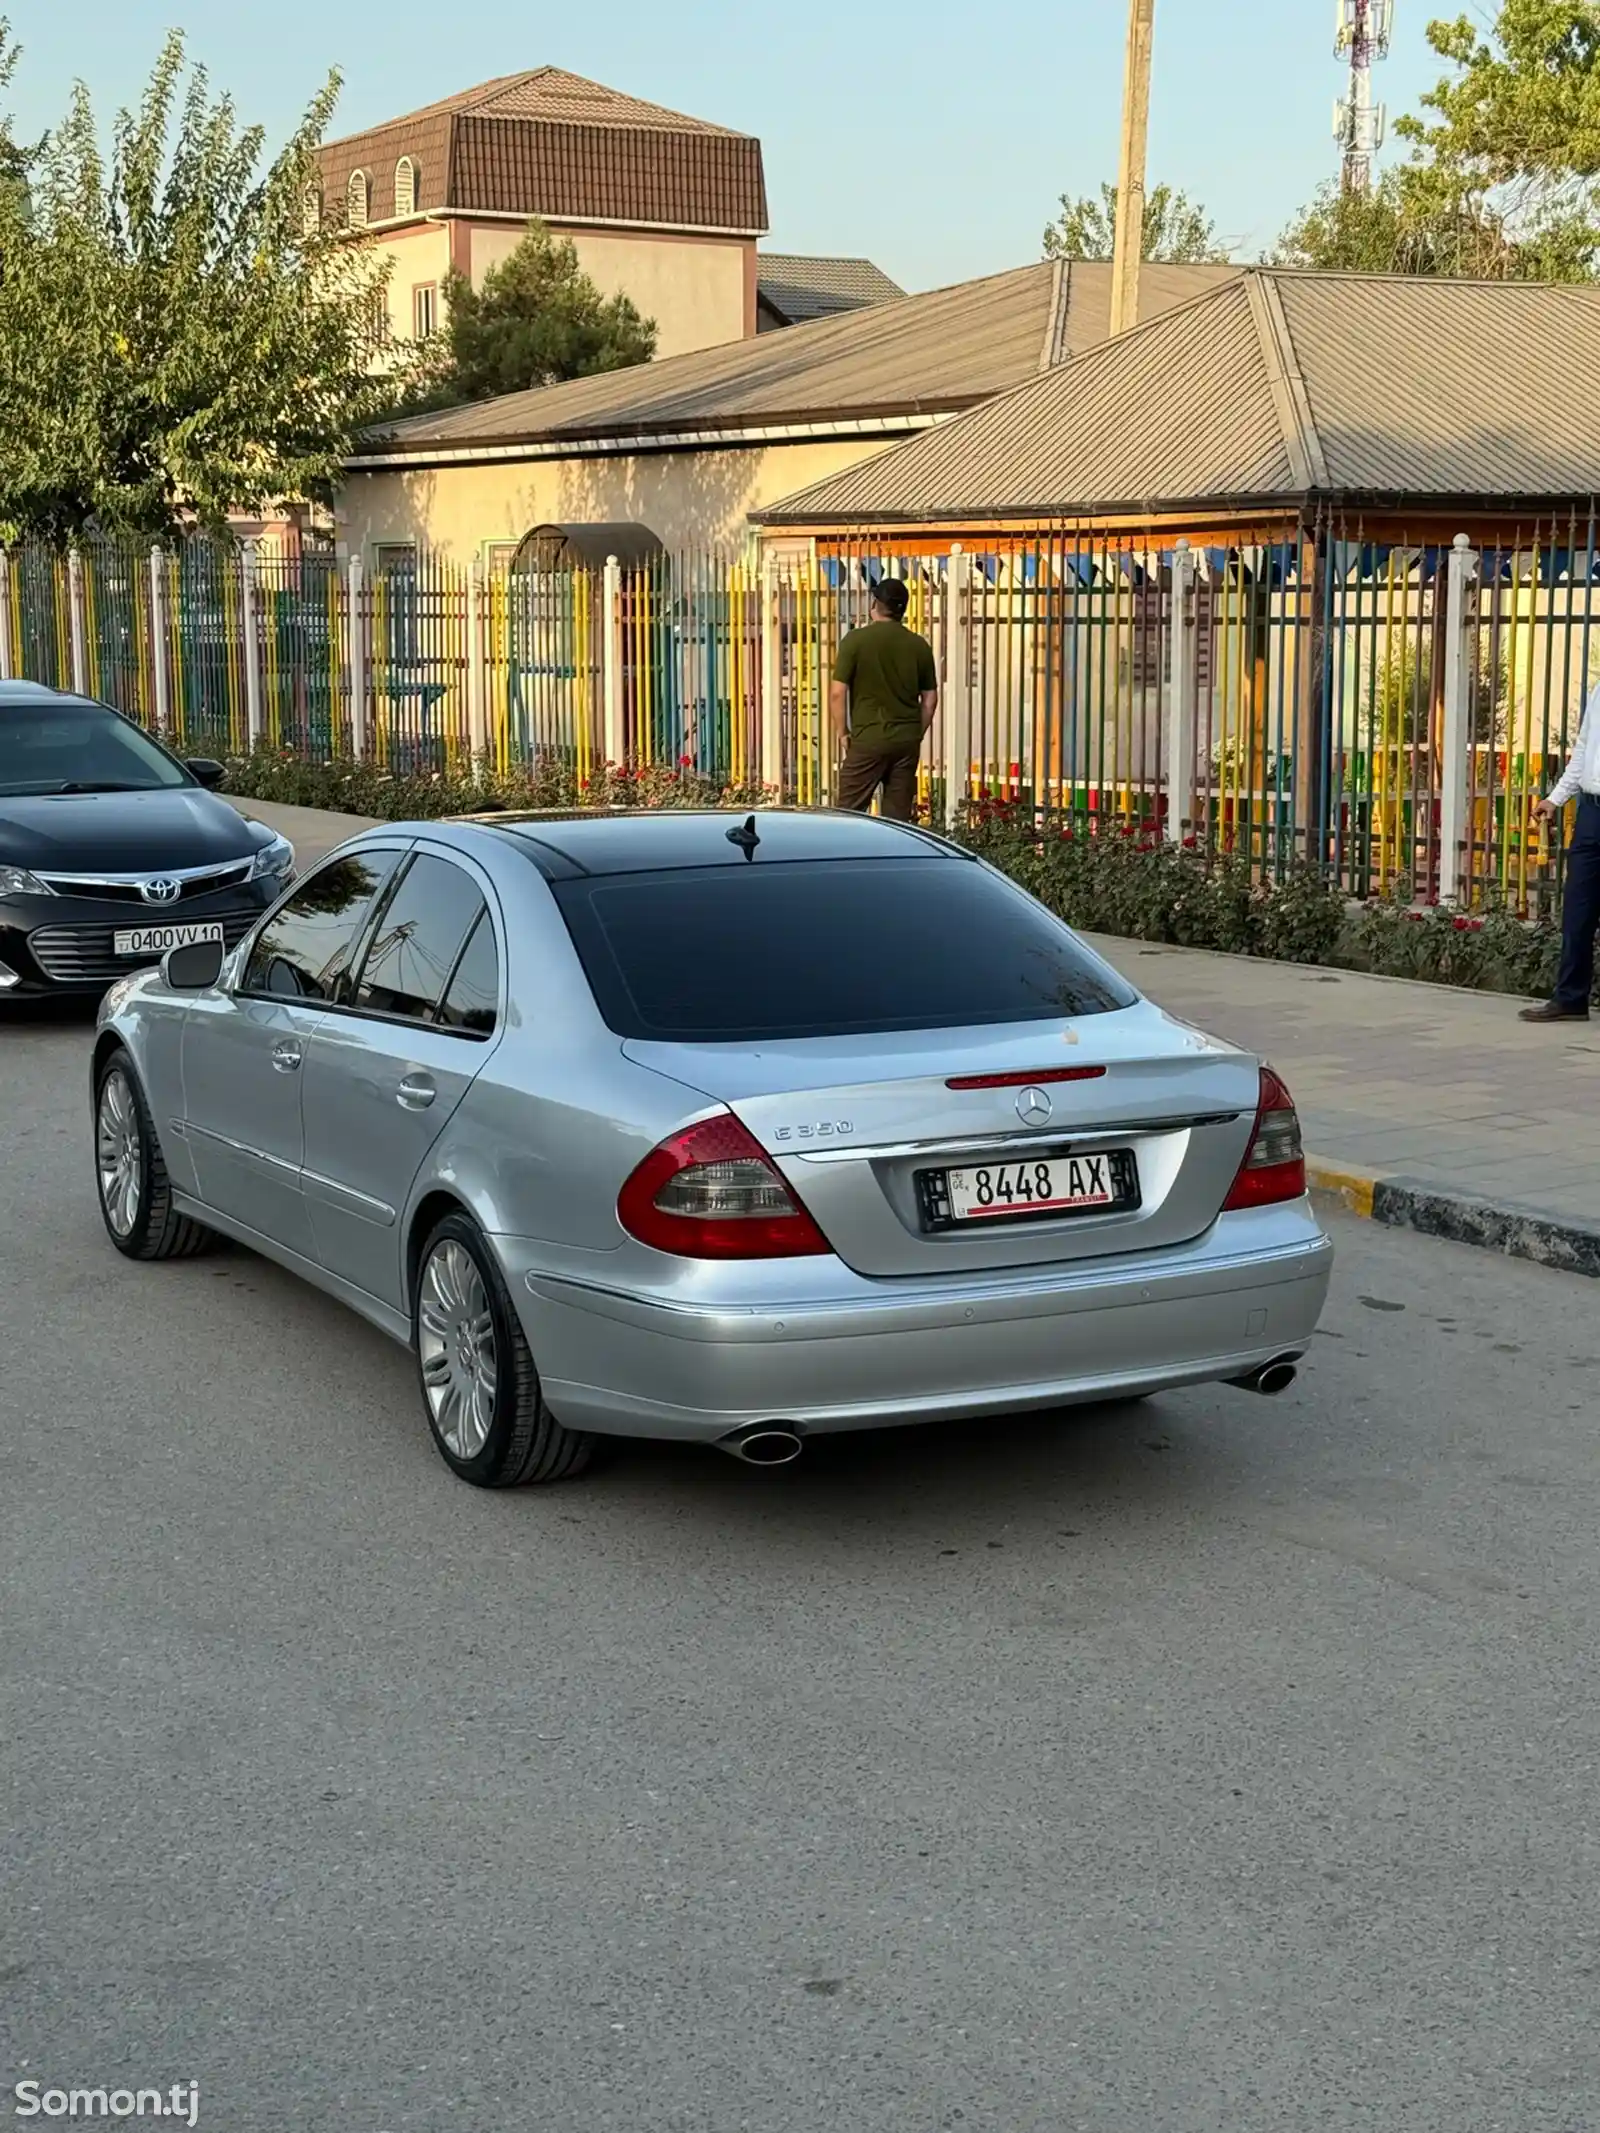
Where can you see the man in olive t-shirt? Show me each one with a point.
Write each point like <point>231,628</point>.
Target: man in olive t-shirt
<point>885,678</point>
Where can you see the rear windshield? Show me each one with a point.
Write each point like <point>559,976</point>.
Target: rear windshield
<point>825,949</point>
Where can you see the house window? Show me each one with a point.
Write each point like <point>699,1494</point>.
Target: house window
<point>395,566</point>
<point>355,200</point>
<point>405,187</point>
<point>424,311</point>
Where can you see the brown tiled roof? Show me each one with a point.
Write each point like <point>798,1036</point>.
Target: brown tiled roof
<point>1273,388</point>
<point>933,354</point>
<point>796,289</point>
<point>550,143</point>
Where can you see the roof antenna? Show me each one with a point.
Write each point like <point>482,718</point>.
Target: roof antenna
<point>744,836</point>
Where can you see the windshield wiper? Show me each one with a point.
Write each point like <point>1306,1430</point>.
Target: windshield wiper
<point>103,785</point>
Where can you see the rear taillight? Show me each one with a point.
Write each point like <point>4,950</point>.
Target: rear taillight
<point>1275,1167</point>
<point>712,1192</point>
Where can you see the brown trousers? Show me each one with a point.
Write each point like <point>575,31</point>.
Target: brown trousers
<point>864,770</point>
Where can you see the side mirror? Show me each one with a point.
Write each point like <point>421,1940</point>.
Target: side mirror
<point>193,967</point>
<point>206,771</point>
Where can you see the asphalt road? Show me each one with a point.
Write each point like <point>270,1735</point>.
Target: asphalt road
<point>1226,1769</point>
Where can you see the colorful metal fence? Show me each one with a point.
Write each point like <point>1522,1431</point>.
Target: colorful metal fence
<point>1390,710</point>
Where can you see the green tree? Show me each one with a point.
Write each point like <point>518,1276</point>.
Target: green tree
<point>1401,710</point>
<point>1175,227</point>
<point>15,160</point>
<point>180,337</point>
<point>537,320</point>
<point>1505,157</point>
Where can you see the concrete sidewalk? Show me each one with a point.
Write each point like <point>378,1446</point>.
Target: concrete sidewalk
<point>1424,1107</point>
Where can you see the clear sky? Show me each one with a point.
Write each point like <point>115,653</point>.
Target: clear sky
<point>932,135</point>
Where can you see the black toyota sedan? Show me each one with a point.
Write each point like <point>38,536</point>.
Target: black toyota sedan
<point>112,850</point>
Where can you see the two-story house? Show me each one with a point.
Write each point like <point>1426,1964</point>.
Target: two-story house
<point>665,208</point>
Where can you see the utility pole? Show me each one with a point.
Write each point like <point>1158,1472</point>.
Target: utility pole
<point>1129,239</point>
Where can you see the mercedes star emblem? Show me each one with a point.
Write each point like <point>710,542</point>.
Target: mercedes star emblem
<point>1033,1107</point>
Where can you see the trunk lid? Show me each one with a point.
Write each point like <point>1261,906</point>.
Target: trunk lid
<point>851,1121</point>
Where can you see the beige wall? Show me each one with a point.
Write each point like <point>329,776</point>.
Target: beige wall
<point>688,498</point>
<point>699,290</point>
<point>695,288</point>
<point>418,254</point>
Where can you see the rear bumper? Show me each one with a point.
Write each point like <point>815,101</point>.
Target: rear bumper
<point>884,1352</point>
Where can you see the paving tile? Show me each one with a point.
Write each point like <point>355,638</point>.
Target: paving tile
<point>1410,1079</point>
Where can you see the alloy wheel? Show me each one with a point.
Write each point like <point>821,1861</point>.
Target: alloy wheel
<point>460,1370</point>
<point>119,1150</point>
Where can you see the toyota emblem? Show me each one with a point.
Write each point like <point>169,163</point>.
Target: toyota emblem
<point>163,890</point>
<point>1033,1107</point>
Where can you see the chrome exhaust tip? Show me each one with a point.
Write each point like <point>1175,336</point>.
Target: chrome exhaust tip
<point>764,1444</point>
<point>1274,1377</point>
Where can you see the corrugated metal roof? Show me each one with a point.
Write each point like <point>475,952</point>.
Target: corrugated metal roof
<point>798,288</point>
<point>1462,388</point>
<point>546,142</point>
<point>1162,287</point>
<point>918,355</point>
<point>1273,386</point>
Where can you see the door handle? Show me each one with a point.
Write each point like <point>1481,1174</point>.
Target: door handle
<point>416,1092</point>
<point>286,1056</point>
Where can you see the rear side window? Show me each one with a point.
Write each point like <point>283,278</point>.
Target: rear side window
<point>304,952</point>
<point>825,949</point>
<point>472,998</point>
<point>418,937</point>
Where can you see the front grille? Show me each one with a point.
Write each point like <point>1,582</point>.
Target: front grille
<point>83,955</point>
<point>127,892</point>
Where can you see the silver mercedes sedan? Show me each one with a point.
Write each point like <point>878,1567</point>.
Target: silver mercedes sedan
<point>736,1129</point>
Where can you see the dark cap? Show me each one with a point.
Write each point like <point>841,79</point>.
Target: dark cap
<point>892,596</point>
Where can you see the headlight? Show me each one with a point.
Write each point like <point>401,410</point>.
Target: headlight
<point>273,860</point>
<point>17,881</point>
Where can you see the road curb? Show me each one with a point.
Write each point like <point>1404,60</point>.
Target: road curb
<point>1461,1217</point>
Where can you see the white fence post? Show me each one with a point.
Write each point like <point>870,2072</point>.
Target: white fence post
<point>477,695</point>
<point>771,676</point>
<point>356,628</point>
<point>78,623</point>
<point>1456,739</point>
<point>611,660</point>
<point>956,700</point>
<point>159,647</point>
<point>5,617</point>
<point>1181,706</point>
<point>254,724</point>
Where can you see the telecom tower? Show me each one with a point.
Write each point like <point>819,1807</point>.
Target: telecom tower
<point>1362,35</point>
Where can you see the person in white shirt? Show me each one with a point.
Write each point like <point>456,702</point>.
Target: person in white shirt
<point>1580,903</point>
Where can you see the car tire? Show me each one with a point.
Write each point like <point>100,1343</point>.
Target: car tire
<point>480,1389</point>
<point>131,1181</point>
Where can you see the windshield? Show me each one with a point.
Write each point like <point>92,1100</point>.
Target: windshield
<point>722,955</point>
<point>61,746</point>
